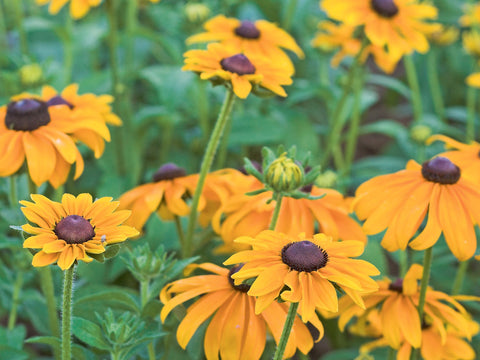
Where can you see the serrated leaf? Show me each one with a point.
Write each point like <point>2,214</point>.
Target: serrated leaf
<point>89,332</point>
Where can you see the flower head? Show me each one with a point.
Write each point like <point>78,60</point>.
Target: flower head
<point>73,229</point>
<point>257,39</point>
<point>31,130</point>
<point>235,331</point>
<point>471,43</point>
<point>392,313</point>
<point>399,202</point>
<point>471,15</point>
<point>303,270</point>
<point>78,8</point>
<point>398,25</point>
<point>227,65</point>
<point>444,36</point>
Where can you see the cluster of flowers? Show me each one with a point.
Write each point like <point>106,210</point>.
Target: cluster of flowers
<point>309,254</point>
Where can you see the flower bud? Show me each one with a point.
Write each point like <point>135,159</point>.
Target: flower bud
<point>283,174</point>
<point>326,179</point>
<point>30,74</point>
<point>420,133</point>
<point>196,12</point>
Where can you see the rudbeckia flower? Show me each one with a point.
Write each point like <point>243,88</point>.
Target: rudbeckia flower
<point>399,202</point>
<point>471,15</point>
<point>466,156</point>
<point>259,38</point>
<point>248,215</point>
<point>235,331</point>
<point>303,270</point>
<point>398,25</point>
<point>31,130</point>
<point>78,8</point>
<point>398,321</point>
<point>226,64</point>
<point>444,36</point>
<point>71,230</point>
<point>470,40</point>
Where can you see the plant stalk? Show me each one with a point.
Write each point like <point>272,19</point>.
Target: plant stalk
<point>287,328</point>
<point>412,79</point>
<point>459,277</point>
<point>276,211</point>
<point>17,287</point>
<point>67,313</point>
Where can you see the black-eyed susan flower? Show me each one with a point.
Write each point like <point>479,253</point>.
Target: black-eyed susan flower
<point>32,131</point>
<point>248,215</point>
<point>398,320</point>
<point>398,25</point>
<point>470,41</point>
<point>71,230</point>
<point>471,15</point>
<point>259,38</point>
<point>235,331</point>
<point>78,8</point>
<point>221,63</point>
<point>399,202</point>
<point>444,36</point>
<point>303,270</point>
<point>97,109</point>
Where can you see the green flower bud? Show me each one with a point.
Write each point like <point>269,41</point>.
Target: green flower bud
<point>30,74</point>
<point>196,12</point>
<point>283,174</point>
<point>326,179</point>
<point>420,133</point>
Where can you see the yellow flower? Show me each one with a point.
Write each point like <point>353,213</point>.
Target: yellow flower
<point>89,106</point>
<point>256,39</point>
<point>31,130</point>
<point>471,15</point>
<point>235,331</point>
<point>471,43</point>
<point>398,320</point>
<point>220,62</point>
<point>398,25</point>
<point>303,270</point>
<point>399,202</point>
<point>70,230</point>
<point>78,8</point>
<point>248,215</point>
<point>445,35</point>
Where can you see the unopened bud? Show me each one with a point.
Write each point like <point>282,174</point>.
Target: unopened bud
<point>30,74</point>
<point>420,133</point>
<point>283,174</point>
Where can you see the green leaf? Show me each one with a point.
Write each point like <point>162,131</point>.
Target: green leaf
<point>8,353</point>
<point>89,332</point>
<point>109,296</point>
<point>389,83</point>
<point>53,341</point>
<point>111,251</point>
<point>13,338</point>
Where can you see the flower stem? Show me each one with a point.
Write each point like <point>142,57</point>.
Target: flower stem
<point>287,328</point>
<point>67,313</point>
<point>13,198</point>
<point>68,49</point>
<point>3,36</point>
<point>412,79</point>
<point>427,264</point>
<point>17,287</point>
<point>208,157</point>
<point>459,277</point>
<point>403,262</point>
<point>180,233</point>
<point>354,120</point>
<point>391,354</point>
<point>434,82</point>
<point>336,123</point>
<point>144,297</point>
<point>131,27</point>
<point>276,211</point>
<point>471,103</point>
<point>46,283</point>
<point>289,14</point>
<point>17,10</point>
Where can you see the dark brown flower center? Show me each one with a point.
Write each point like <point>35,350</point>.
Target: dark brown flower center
<point>397,286</point>
<point>238,64</point>
<point>75,229</point>
<point>26,115</point>
<point>247,30</point>
<point>168,171</point>
<point>384,8</point>
<point>242,287</point>
<point>58,100</point>
<point>304,256</point>
<point>441,170</point>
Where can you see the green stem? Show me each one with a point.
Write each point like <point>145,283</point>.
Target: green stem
<point>471,103</point>
<point>289,14</point>
<point>403,260</point>
<point>391,354</point>
<point>13,198</point>
<point>17,287</point>
<point>67,313</point>
<point>276,211</point>
<point>180,233</point>
<point>352,136</point>
<point>435,86</point>
<point>459,277</point>
<point>46,283</point>
<point>208,157</point>
<point>223,148</point>
<point>144,297</point>
<point>3,36</point>
<point>68,49</point>
<point>287,328</point>
<point>427,264</point>
<point>131,27</point>
<point>336,123</point>
<point>17,10</point>
<point>117,88</point>
<point>412,79</point>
